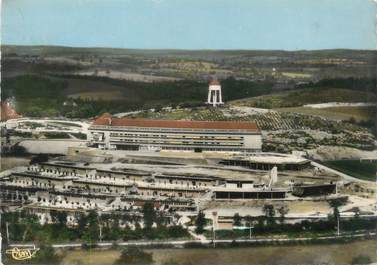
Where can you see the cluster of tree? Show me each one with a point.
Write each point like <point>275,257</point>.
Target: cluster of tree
<point>363,84</point>
<point>134,256</point>
<point>137,256</point>
<point>39,96</point>
<point>268,218</point>
<point>14,150</point>
<point>260,226</point>
<point>186,93</point>
<point>271,223</point>
<point>370,124</point>
<point>32,86</point>
<point>85,108</point>
<point>39,158</point>
<point>361,259</point>
<point>200,223</point>
<point>90,228</point>
<point>236,89</point>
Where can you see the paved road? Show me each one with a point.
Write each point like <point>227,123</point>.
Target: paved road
<point>204,242</point>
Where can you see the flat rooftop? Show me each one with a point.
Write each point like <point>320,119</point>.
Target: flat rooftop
<point>269,158</point>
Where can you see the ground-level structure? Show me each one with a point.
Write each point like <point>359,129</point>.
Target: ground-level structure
<point>107,132</point>
<point>245,194</point>
<point>266,161</point>
<point>65,185</point>
<point>314,190</point>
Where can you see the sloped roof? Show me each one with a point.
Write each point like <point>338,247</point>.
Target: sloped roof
<point>107,120</point>
<point>214,82</point>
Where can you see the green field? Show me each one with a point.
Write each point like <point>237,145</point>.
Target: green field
<point>362,170</point>
<point>359,113</point>
<point>304,96</point>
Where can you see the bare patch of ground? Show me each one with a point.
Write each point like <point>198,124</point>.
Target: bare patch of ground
<point>336,113</point>
<point>128,76</point>
<point>339,152</point>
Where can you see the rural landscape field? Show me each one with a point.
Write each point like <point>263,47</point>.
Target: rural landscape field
<point>330,91</point>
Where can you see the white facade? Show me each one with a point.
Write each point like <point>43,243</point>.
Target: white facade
<point>107,132</point>
<point>130,138</point>
<point>214,94</point>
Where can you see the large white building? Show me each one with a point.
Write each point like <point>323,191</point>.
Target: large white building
<point>108,132</point>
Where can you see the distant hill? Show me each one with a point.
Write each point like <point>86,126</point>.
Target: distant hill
<point>62,50</point>
<point>49,80</point>
<point>285,67</point>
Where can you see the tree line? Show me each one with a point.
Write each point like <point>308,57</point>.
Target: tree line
<point>39,96</point>
<point>91,227</point>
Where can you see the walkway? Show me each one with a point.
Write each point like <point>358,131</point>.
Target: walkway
<point>201,238</point>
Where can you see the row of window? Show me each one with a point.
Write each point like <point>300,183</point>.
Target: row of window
<point>176,142</point>
<point>129,178</point>
<point>218,137</point>
<point>99,128</point>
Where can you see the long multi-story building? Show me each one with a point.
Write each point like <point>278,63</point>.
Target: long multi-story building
<point>108,132</point>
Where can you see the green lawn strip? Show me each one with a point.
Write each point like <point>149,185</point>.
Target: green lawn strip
<point>362,170</point>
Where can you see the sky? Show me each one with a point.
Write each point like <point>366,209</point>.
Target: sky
<point>191,24</point>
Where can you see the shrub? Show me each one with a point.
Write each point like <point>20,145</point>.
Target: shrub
<point>134,256</point>
<point>361,259</point>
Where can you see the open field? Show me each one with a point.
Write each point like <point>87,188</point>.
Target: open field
<point>127,76</point>
<point>301,254</point>
<point>74,85</point>
<point>296,75</point>
<point>363,170</point>
<point>100,95</point>
<point>336,113</point>
<point>305,96</point>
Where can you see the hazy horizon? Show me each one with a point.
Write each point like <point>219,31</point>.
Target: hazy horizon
<point>181,49</point>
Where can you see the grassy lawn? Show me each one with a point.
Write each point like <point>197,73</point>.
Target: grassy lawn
<point>362,170</point>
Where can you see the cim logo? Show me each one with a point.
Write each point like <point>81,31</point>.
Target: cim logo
<point>22,253</point>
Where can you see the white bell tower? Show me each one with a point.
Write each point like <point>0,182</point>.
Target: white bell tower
<point>214,93</point>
